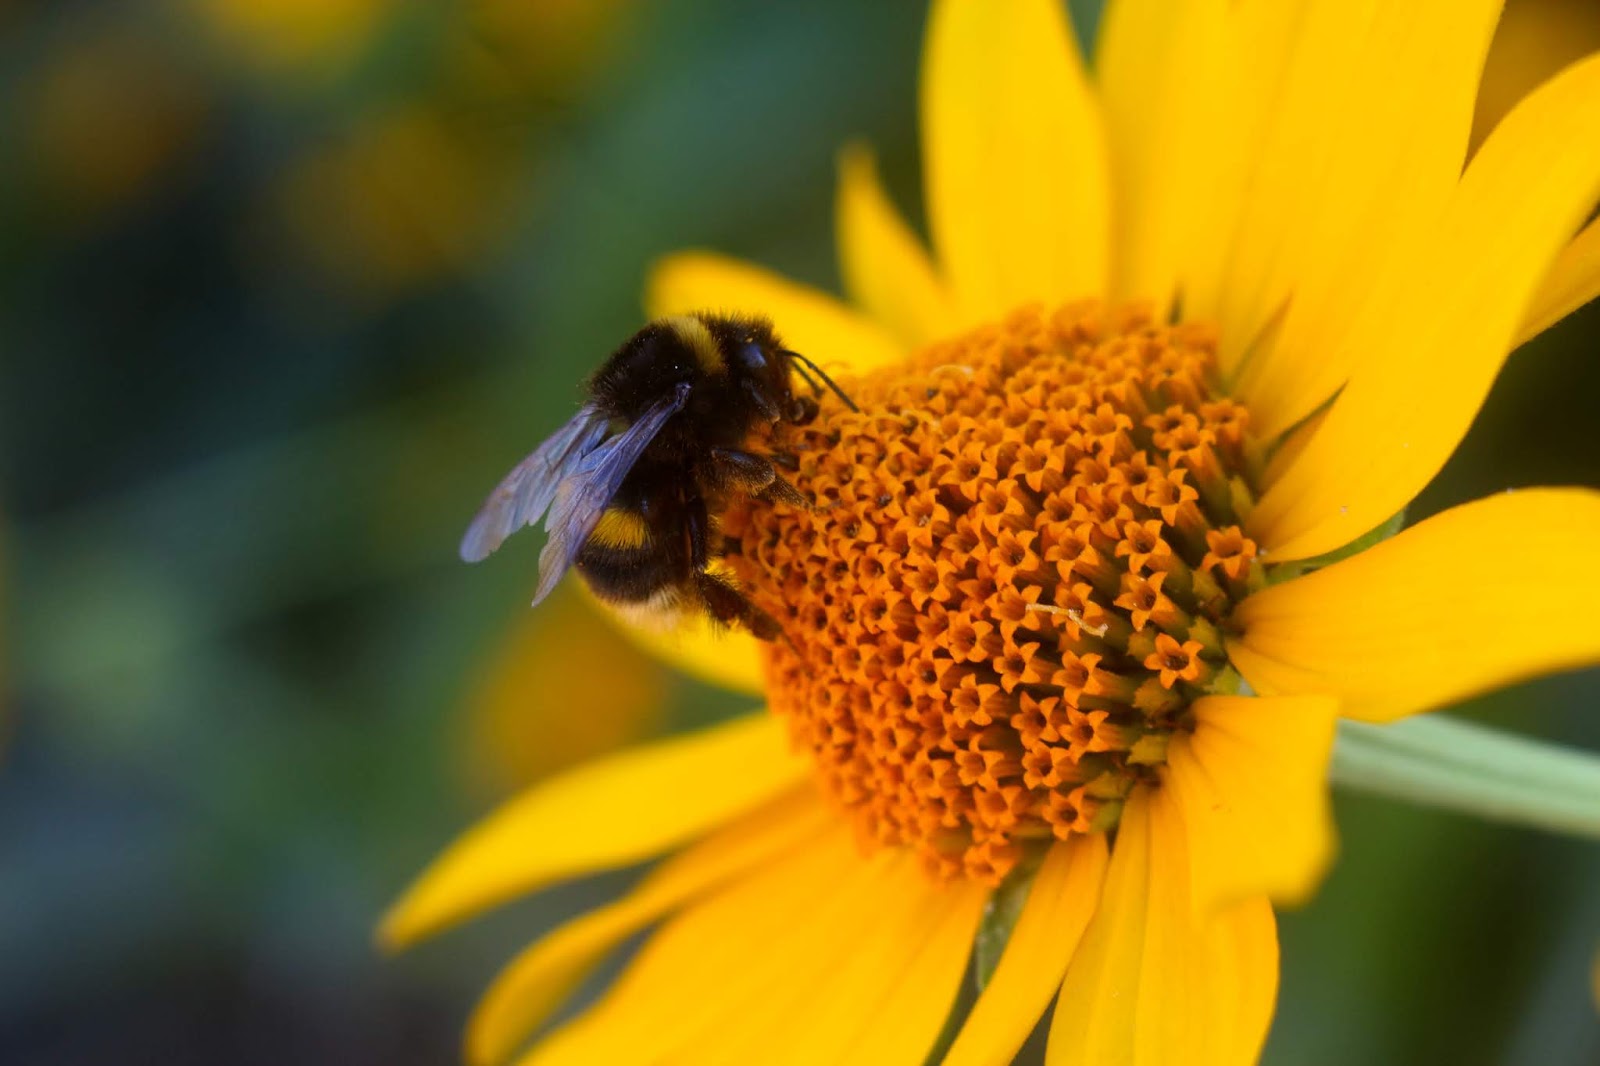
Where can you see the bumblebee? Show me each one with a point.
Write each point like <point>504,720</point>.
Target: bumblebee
<point>631,486</point>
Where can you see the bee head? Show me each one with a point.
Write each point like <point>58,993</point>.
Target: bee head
<point>764,373</point>
<point>759,367</point>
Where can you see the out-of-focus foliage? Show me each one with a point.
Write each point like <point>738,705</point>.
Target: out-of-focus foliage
<point>285,286</point>
<point>394,203</point>
<point>105,121</point>
<point>296,43</point>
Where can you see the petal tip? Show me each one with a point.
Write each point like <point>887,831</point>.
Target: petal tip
<point>396,931</point>
<point>855,156</point>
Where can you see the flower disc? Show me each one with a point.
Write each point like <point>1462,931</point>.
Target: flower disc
<point>1015,580</point>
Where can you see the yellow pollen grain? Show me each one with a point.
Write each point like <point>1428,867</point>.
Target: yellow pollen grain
<point>1023,554</point>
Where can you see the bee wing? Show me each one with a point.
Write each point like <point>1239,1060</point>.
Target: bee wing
<point>584,493</point>
<point>525,494</point>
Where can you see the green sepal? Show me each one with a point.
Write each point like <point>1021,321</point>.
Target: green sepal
<point>1000,916</point>
<point>1293,569</point>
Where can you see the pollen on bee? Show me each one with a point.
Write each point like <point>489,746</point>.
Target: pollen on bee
<point>1017,585</point>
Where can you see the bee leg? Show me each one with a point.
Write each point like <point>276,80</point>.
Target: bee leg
<point>761,401</point>
<point>697,524</point>
<point>803,411</point>
<point>780,491</point>
<point>754,475</point>
<point>744,471</point>
<point>729,606</point>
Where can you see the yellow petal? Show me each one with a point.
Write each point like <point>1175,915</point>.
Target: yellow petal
<point>1166,74</point>
<point>1252,782</point>
<point>1474,598</point>
<point>1381,172</point>
<point>885,268</point>
<point>1573,281</point>
<point>1060,903</point>
<point>876,992</point>
<point>1247,937</point>
<point>728,658</point>
<point>688,976</point>
<point>1291,160</point>
<point>1366,139</point>
<point>1535,39</point>
<point>922,974</point>
<point>1014,156</point>
<point>519,722</point>
<point>1452,315</point>
<point>839,339</point>
<point>1258,48</point>
<point>609,813</point>
<point>1289,447</point>
<point>815,959</point>
<point>1155,981</point>
<point>539,979</point>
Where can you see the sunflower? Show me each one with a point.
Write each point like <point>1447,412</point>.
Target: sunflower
<point>1099,560</point>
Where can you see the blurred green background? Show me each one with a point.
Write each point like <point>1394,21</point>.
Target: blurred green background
<point>285,286</point>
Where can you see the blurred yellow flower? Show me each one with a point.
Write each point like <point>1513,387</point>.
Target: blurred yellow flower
<point>105,118</point>
<point>299,38</point>
<point>421,187</point>
<point>1223,308</point>
<point>563,686</point>
<point>399,199</point>
<point>538,45</point>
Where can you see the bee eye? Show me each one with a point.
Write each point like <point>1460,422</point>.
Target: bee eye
<point>753,357</point>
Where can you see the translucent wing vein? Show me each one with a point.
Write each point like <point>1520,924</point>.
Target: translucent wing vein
<point>527,492</point>
<point>583,494</point>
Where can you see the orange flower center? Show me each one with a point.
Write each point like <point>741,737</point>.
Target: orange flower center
<point>1016,580</point>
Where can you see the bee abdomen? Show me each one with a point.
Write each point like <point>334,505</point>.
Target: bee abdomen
<point>621,529</point>
<point>624,560</point>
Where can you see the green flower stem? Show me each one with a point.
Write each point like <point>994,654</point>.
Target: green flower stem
<point>1443,762</point>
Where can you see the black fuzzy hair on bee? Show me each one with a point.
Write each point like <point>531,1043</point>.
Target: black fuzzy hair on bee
<point>631,486</point>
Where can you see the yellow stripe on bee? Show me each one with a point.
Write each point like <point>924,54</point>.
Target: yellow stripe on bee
<point>698,339</point>
<point>620,528</point>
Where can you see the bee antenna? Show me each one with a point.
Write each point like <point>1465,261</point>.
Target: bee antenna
<point>826,380</point>
<point>810,381</point>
